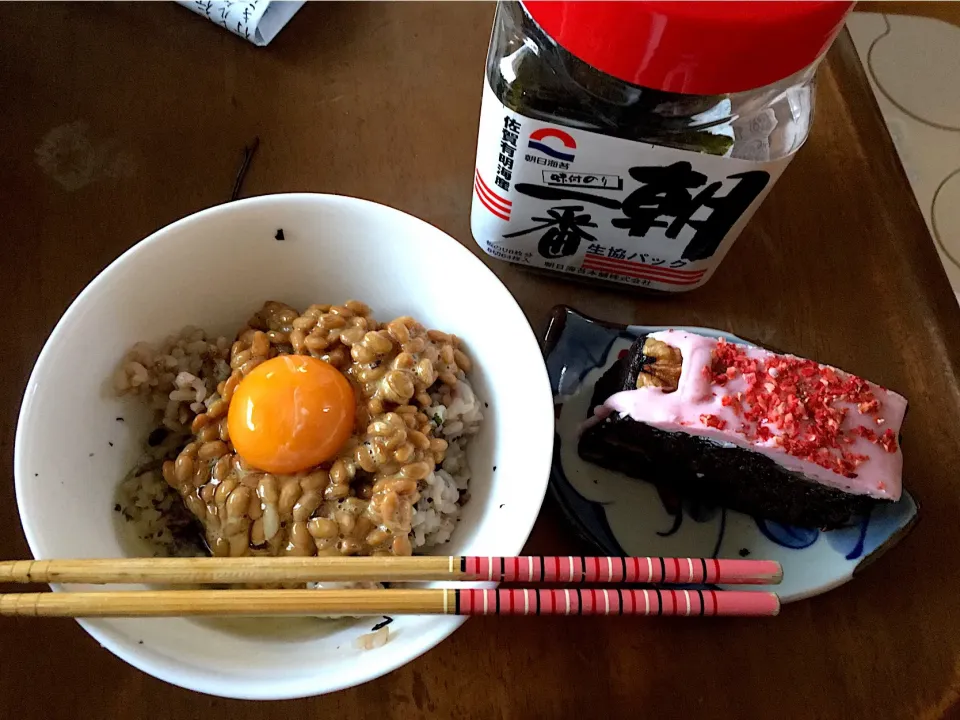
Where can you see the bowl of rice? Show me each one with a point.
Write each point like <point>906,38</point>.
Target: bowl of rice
<point>128,442</point>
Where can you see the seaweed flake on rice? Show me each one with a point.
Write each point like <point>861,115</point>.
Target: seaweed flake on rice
<point>153,514</point>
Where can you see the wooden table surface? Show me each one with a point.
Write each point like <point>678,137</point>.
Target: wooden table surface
<point>150,107</point>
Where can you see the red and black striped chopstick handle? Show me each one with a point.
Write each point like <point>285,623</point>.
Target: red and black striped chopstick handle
<point>653,570</point>
<point>577,601</point>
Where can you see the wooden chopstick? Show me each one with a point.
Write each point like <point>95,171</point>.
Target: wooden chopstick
<point>660,571</point>
<point>443,601</point>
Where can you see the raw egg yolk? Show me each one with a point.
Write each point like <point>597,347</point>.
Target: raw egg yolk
<point>291,413</point>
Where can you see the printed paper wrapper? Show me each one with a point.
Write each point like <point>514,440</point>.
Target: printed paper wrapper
<point>258,21</point>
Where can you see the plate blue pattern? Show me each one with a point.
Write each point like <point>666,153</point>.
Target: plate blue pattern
<point>622,516</point>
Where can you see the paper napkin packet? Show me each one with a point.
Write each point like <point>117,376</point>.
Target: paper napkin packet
<point>258,21</point>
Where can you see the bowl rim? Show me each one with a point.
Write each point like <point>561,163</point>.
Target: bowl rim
<point>229,687</point>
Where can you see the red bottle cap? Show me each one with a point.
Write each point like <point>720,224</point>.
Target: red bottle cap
<point>697,48</point>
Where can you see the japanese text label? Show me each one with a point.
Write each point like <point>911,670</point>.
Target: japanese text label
<point>587,204</point>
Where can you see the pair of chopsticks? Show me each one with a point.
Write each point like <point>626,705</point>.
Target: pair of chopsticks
<point>466,601</point>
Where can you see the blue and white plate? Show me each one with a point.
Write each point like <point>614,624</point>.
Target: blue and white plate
<point>623,516</point>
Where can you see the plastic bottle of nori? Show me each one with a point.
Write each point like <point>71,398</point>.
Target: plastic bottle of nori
<point>630,142</point>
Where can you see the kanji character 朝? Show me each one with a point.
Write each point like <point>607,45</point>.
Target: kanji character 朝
<point>665,199</point>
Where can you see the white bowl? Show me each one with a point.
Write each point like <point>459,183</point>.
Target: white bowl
<point>212,270</point>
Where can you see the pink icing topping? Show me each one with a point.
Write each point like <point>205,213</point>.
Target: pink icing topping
<point>829,425</point>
